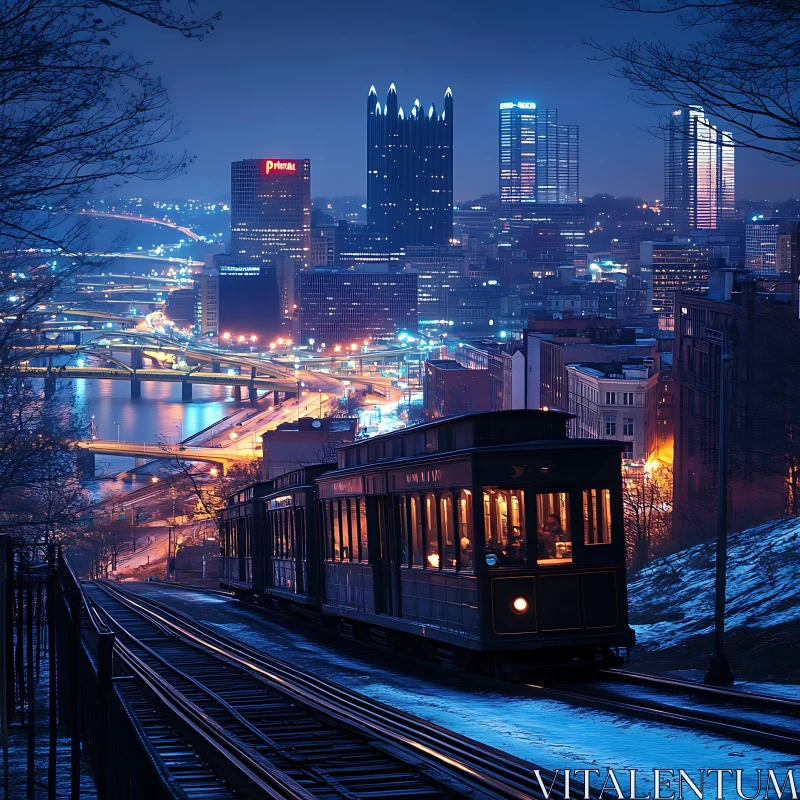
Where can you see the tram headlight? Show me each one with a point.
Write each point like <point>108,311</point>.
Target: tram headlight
<point>519,605</point>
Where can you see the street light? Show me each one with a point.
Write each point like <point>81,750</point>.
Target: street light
<point>117,424</point>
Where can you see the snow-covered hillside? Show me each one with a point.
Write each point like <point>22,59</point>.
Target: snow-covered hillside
<point>672,600</point>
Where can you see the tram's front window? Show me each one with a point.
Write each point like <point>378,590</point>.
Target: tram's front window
<point>504,527</point>
<point>554,540</point>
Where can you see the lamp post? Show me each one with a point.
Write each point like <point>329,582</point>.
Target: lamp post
<point>719,670</point>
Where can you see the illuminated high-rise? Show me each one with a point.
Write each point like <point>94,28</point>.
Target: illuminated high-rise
<point>538,157</point>
<point>699,176</point>
<point>409,171</point>
<point>271,211</point>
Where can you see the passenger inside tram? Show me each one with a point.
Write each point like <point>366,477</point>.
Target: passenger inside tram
<point>505,529</point>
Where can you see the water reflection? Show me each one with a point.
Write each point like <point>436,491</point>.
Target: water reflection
<point>158,415</point>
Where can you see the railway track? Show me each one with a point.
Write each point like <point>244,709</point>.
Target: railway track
<point>761,720</point>
<point>270,728</point>
<point>757,719</point>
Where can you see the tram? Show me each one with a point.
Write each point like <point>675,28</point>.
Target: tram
<point>484,537</point>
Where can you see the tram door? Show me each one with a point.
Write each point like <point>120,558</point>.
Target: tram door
<point>299,533</point>
<point>390,574</point>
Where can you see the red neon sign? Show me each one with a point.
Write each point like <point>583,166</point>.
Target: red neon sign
<point>282,166</point>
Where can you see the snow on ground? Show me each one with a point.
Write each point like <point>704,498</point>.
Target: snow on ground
<point>552,734</point>
<point>672,599</point>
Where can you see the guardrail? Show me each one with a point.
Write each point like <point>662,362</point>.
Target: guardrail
<point>91,706</point>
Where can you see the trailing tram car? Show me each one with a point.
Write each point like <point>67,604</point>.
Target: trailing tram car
<point>487,538</point>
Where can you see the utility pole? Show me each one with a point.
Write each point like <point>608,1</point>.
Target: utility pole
<point>719,670</point>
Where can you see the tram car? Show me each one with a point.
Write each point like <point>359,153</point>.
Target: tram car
<point>489,538</point>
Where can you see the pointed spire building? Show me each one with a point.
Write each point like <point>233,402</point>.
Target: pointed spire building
<point>410,171</point>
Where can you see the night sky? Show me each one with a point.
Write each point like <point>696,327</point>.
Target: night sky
<point>290,80</point>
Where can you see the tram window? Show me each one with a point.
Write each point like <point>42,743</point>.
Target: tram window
<point>335,520</point>
<point>448,532</point>
<point>326,526</point>
<point>355,541</point>
<point>290,533</point>
<point>362,527</point>
<point>416,531</point>
<point>432,560</point>
<point>465,530</point>
<point>300,534</point>
<point>597,516</point>
<point>345,530</point>
<point>402,509</point>
<point>504,527</point>
<point>554,543</point>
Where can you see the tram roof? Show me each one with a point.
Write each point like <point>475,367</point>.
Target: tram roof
<point>479,429</point>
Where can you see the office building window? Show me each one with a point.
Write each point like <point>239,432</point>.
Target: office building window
<point>627,426</point>
<point>611,398</point>
<point>611,426</point>
<point>627,398</point>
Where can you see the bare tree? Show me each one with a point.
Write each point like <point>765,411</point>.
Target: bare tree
<point>741,64</point>
<point>78,116</point>
<point>208,491</point>
<point>40,494</point>
<point>647,513</point>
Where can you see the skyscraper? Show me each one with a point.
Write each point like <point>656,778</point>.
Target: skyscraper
<point>410,171</point>
<point>670,267</point>
<point>538,157</point>
<point>342,307</point>
<point>271,211</point>
<point>699,178</point>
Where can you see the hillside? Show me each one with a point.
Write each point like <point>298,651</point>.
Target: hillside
<point>672,605</point>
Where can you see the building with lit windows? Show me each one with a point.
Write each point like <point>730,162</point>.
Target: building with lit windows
<point>345,307</point>
<point>441,271</point>
<point>248,303</point>
<point>538,157</point>
<point>768,246</point>
<point>616,401</point>
<point>410,171</point>
<point>669,267</point>
<point>271,211</point>
<point>699,174</point>
<point>206,302</point>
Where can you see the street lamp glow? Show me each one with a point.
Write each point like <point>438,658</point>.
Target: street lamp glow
<point>234,435</point>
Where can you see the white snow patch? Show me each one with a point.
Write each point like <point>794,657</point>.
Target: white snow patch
<point>763,587</point>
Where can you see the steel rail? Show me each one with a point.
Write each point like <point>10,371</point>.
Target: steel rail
<point>739,696</point>
<point>498,772</point>
<point>249,773</point>
<point>751,732</point>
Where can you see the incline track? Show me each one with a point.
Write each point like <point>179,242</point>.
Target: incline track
<point>286,727</point>
<point>761,720</point>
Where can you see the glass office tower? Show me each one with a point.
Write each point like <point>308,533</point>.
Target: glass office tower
<point>699,176</point>
<point>538,157</point>
<point>409,171</point>
<point>271,211</point>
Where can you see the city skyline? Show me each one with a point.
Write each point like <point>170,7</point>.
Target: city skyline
<point>311,112</point>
